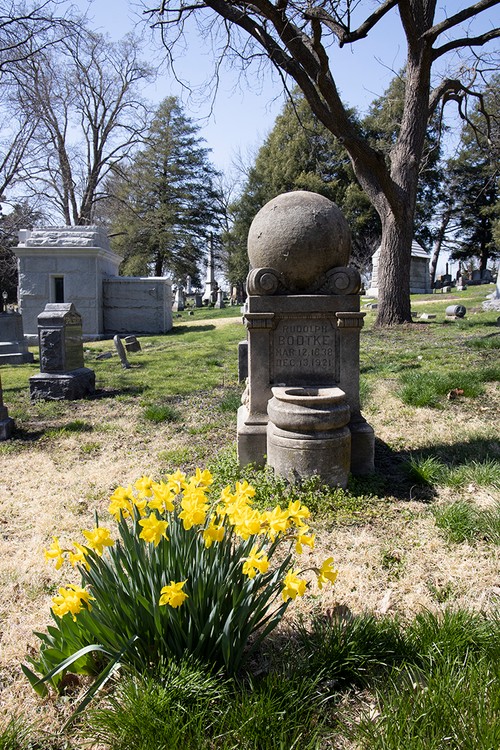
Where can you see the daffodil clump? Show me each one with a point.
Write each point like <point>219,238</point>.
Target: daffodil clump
<point>184,573</point>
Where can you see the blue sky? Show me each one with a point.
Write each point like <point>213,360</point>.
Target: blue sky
<point>244,111</point>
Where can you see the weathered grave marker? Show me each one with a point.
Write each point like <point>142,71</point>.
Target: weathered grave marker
<point>303,325</point>
<point>62,373</point>
<point>13,347</point>
<point>121,352</point>
<point>6,422</point>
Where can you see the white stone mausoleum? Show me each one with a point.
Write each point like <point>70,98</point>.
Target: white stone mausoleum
<point>76,264</point>
<point>420,282</point>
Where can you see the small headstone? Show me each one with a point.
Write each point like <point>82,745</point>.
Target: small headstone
<point>428,316</point>
<point>13,348</point>
<point>242,361</point>
<point>446,289</point>
<point>219,304</point>
<point>104,355</point>
<point>62,373</point>
<point>178,305</point>
<point>132,344</point>
<point>6,422</point>
<point>121,352</point>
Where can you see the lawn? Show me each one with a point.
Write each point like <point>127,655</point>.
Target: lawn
<point>402,652</point>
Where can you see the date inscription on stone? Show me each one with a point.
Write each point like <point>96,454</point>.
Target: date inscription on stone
<point>304,350</point>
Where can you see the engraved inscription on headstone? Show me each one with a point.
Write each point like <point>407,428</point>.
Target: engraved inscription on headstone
<point>305,349</point>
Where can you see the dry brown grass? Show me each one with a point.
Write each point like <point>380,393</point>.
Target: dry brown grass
<point>52,485</point>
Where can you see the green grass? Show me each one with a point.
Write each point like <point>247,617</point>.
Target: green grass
<point>462,521</point>
<point>452,705</point>
<point>77,426</point>
<point>158,413</point>
<point>186,707</point>
<point>419,388</point>
<point>433,683</point>
<point>431,470</point>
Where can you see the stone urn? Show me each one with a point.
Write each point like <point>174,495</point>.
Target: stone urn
<point>308,434</point>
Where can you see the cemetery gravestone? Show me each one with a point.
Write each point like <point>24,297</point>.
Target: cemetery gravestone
<point>303,326</point>
<point>62,373</point>
<point>13,347</point>
<point>6,422</point>
<point>120,349</point>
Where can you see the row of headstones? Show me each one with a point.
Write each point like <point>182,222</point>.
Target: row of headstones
<point>217,300</point>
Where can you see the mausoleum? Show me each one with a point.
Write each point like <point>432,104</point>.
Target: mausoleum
<point>420,282</point>
<point>76,265</point>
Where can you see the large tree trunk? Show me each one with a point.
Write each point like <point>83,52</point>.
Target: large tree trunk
<point>394,271</point>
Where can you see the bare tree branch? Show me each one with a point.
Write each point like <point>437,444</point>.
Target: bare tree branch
<point>464,15</point>
<point>477,41</point>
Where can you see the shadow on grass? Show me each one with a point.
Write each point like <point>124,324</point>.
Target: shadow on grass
<point>19,434</point>
<point>132,390</point>
<point>395,478</point>
<point>391,477</point>
<point>462,452</point>
<point>180,330</point>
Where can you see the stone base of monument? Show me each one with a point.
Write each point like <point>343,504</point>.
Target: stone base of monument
<point>307,434</point>
<point>13,354</point>
<point>69,386</point>
<point>252,439</point>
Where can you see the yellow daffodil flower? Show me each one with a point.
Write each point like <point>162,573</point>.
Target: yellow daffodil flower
<point>297,513</point>
<point>54,552</point>
<point>327,573</point>
<point>276,521</point>
<point>153,529</point>
<point>303,538</point>
<point>226,496</point>
<point>203,478</point>
<point>79,555</point>
<point>293,586</point>
<point>244,490</point>
<point>98,538</point>
<point>247,524</point>
<point>173,594</point>
<point>163,496</point>
<point>143,486</point>
<point>177,481</point>
<point>213,533</point>
<point>121,502</point>
<point>70,600</point>
<point>256,561</point>
<point>194,509</point>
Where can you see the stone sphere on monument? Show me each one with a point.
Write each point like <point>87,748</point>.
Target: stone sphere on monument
<point>301,235</point>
